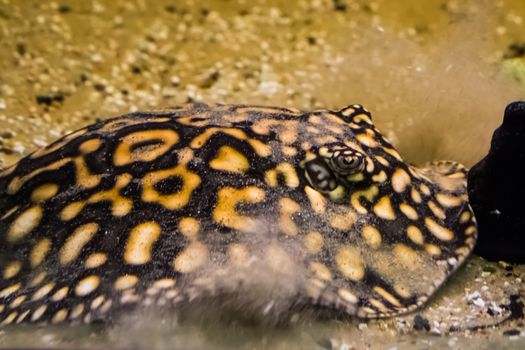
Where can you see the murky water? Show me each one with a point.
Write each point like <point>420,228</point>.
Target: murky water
<point>433,74</point>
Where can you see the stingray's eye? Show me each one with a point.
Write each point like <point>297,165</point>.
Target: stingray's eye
<point>320,176</point>
<point>347,162</point>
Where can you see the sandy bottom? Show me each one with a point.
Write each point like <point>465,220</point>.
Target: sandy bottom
<point>436,77</point>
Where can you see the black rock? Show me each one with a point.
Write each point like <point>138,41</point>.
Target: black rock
<point>421,323</point>
<point>496,188</point>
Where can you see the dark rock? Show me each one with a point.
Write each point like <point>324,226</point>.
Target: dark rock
<point>6,135</point>
<point>48,100</point>
<point>497,191</point>
<point>421,323</point>
<point>21,48</point>
<point>170,8</point>
<point>516,307</point>
<point>515,50</point>
<point>340,6</point>
<point>64,9</point>
<point>512,332</point>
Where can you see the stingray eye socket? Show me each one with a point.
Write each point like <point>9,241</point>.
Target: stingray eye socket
<point>347,162</point>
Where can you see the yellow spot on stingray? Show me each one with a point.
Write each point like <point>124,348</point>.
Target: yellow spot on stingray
<point>7,171</point>
<point>287,208</point>
<point>38,279</point>
<point>465,217</point>
<point>60,316</point>
<point>185,155</point>
<point>362,118</point>
<point>372,236</point>
<point>347,296</point>
<point>262,149</point>
<point>315,119</point>
<point>77,311</point>
<point>230,160</point>
<point>356,177</point>
<point>313,242</point>
<point>44,192</point>
<point>225,212</point>
<point>325,139</point>
<point>380,177</point>
<point>60,294</point>
<point>120,206</point>
<point>43,291</point>
<point>96,260</point>
<point>416,196</point>
<point>173,201</point>
<point>17,301</point>
<point>10,318</point>
<point>393,153</point>
<point>408,211</point>
<point>369,194</point>
<point>140,243</point>
<point>38,312</point>
<point>402,291</point>
<point>439,231</point>
<point>203,138</point>
<point>408,257</point>
<point>89,146</point>
<point>12,269</point>
<point>387,296</point>
<point>25,223</point>
<point>289,151</point>
<point>321,271</point>
<point>317,200</point>
<point>415,235</point>
<point>83,175</point>
<point>462,251</point>
<point>343,221</point>
<point>286,129</point>
<point>87,285</point>
<point>72,210</point>
<point>378,305</point>
<point>383,209</point>
<point>144,146</point>
<point>22,316</point>
<point>350,263</point>
<point>76,242</point>
<point>383,161</point>
<point>287,171</point>
<point>189,227</point>
<point>448,201</point>
<point>17,182</point>
<point>190,259</point>
<point>238,254</point>
<point>433,249</point>
<point>471,230</point>
<point>400,180</point>
<point>164,283</point>
<point>367,139</point>
<point>425,190</point>
<point>126,282</point>
<point>95,304</point>
<point>436,210</point>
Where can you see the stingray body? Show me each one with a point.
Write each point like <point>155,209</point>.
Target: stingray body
<point>147,207</point>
